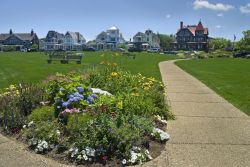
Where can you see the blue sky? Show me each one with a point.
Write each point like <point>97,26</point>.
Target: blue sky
<point>224,18</point>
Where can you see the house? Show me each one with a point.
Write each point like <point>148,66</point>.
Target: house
<point>59,41</point>
<point>146,40</point>
<point>20,40</point>
<point>192,37</point>
<point>53,41</point>
<point>73,41</point>
<point>111,39</point>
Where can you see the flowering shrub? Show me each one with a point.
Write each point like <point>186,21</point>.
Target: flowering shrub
<point>16,102</point>
<point>106,115</point>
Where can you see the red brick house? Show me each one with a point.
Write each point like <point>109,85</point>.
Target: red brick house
<point>192,37</point>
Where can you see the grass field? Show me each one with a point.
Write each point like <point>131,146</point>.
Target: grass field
<point>228,77</point>
<point>32,67</point>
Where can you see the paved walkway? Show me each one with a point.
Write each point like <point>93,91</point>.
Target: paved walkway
<point>14,154</point>
<point>208,131</point>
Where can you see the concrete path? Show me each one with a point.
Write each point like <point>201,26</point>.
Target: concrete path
<point>14,154</point>
<point>208,131</point>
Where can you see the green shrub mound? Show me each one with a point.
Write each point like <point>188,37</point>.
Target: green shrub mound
<point>97,117</point>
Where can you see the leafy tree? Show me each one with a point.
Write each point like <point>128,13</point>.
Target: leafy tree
<point>166,40</point>
<point>34,47</point>
<point>244,43</point>
<point>220,44</point>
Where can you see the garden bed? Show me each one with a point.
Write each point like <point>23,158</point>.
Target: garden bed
<point>106,116</point>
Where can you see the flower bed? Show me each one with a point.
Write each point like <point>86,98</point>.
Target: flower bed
<point>105,116</point>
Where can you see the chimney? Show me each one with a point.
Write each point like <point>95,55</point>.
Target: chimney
<point>11,32</point>
<point>32,32</point>
<point>181,25</point>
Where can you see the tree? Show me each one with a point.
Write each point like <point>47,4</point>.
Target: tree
<point>165,41</point>
<point>244,43</point>
<point>34,47</point>
<point>220,44</point>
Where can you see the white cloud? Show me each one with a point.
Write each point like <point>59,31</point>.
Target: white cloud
<point>218,26</point>
<point>220,14</point>
<point>245,9</point>
<point>200,4</point>
<point>168,16</point>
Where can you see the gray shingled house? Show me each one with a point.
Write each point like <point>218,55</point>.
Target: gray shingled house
<point>20,40</point>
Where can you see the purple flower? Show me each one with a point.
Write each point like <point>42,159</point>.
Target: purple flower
<point>80,89</point>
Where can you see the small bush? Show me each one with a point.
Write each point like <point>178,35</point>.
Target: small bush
<point>42,114</point>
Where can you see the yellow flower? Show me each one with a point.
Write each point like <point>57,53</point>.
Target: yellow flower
<point>135,94</point>
<point>114,74</point>
<point>152,79</point>
<point>12,87</point>
<point>146,88</point>
<point>119,105</point>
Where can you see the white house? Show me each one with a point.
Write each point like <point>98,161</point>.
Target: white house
<point>111,39</point>
<point>146,40</point>
<point>73,41</point>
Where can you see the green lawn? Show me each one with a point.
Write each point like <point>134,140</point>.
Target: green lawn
<point>228,77</point>
<point>33,67</point>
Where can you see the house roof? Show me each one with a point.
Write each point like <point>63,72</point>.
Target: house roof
<point>194,28</point>
<point>113,28</point>
<point>54,34</point>
<point>102,34</point>
<point>76,36</point>
<point>22,36</point>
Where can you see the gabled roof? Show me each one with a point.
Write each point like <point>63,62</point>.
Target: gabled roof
<point>140,34</point>
<point>54,34</point>
<point>21,36</point>
<point>194,28</point>
<point>102,34</point>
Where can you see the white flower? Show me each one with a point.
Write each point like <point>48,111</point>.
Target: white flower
<point>99,91</point>
<point>58,132</point>
<point>83,152</point>
<point>150,157</point>
<point>24,126</point>
<point>79,157</point>
<point>85,157</point>
<point>124,161</point>
<point>160,119</point>
<point>30,124</point>
<point>164,136</point>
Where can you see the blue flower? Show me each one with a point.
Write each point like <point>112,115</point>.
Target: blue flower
<point>94,96</point>
<point>65,104</point>
<point>81,96</point>
<point>90,100</point>
<point>59,100</point>
<point>76,94</point>
<point>70,96</point>
<point>80,89</point>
